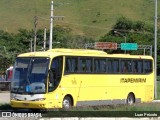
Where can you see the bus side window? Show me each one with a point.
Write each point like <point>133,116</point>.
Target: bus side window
<point>96,66</point>
<point>82,65</point>
<point>116,66</point>
<point>102,65</point>
<point>110,68</point>
<point>134,66</point>
<point>125,69</point>
<point>68,65</point>
<point>88,65</point>
<point>73,65</point>
<point>140,66</point>
<point>129,66</point>
<point>147,66</point>
<point>126,66</point>
<point>122,64</point>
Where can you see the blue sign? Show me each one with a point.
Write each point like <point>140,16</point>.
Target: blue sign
<point>129,46</point>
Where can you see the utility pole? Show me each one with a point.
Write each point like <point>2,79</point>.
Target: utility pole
<point>155,52</point>
<point>35,32</point>
<point>44,44</point>
<point>51,25</point>
<point>31,45</point>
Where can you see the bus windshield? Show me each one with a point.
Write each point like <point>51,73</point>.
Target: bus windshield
<point>30,75</point>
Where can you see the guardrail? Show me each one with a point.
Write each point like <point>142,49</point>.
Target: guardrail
<point>112,45</point>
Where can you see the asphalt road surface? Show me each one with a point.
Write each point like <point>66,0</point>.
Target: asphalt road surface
<point>4,97</point>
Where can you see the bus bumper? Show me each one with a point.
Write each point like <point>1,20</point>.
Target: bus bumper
<point>35,104</point>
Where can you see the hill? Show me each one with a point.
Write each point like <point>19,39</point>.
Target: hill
<point>93,18</point>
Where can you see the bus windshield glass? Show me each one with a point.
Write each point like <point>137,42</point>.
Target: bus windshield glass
<point>30,75</point>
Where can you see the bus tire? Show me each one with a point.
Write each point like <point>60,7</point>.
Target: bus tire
<point>130,99</point>
<point>67,102</point>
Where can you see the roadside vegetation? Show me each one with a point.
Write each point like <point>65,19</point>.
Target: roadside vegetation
<point>158,89</point>
<point>5,106</point>
<point>12,44</point>
<point>134,107</point>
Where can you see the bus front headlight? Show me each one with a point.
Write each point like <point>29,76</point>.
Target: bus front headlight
<point>13,97</point>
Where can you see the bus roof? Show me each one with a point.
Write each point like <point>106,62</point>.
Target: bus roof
<point>79,52</point>
<point>62,51</point>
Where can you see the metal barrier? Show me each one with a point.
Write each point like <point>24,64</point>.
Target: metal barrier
<point>118,46</point>
<point>5,85</point>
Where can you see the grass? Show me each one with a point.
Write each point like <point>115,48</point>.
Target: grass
<point>5,106</point>
<point>93,18</point>
<point>134,107</point>
<point>158,90</point>
<point>107,111</point>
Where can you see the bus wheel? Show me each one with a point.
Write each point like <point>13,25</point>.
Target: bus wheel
<point>130,99</point>
<point>67,102</point>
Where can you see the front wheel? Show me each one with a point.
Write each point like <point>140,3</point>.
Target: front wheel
<point>67,103</point>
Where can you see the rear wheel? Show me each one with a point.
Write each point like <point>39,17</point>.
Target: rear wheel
<point>130,99</point>
<point>67,102</point>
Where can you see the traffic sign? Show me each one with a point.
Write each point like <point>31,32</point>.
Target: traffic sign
<point>129,46</point>
<point>106,45</point>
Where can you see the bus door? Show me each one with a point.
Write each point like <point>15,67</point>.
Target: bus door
<point>55,73</point>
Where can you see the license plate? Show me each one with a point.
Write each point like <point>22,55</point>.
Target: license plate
<point>25,104</point>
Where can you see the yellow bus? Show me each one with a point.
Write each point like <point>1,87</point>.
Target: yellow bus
<point>62,78</point>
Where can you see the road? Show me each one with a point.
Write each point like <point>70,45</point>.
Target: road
<point>4,97</point>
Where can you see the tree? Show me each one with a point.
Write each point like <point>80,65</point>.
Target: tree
<point>134,32</point>
<point>123,24</point>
